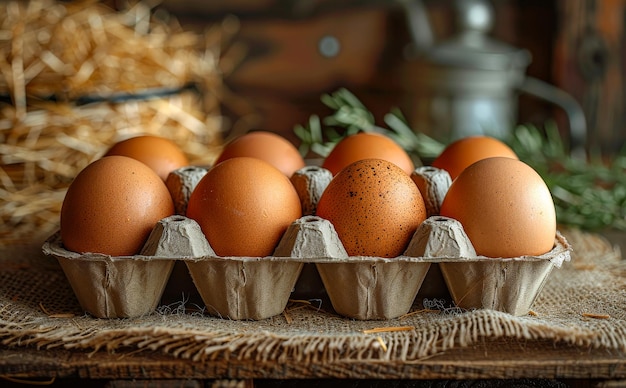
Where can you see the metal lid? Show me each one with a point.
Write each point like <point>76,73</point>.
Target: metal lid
<point>471,48</point>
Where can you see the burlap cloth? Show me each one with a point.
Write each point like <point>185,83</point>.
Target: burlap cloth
<point>583,304</point>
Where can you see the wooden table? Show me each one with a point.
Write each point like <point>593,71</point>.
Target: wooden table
<point>502,359</point>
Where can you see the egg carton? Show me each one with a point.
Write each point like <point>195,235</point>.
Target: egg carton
<point>359,287</point>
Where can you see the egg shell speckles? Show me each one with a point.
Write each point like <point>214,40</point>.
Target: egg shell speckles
<point>374,206</point>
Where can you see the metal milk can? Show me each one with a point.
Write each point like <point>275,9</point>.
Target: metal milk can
<point>469,84</point>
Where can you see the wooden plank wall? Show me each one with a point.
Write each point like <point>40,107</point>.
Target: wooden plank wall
<point>279,82</point>
<point>589,62</point>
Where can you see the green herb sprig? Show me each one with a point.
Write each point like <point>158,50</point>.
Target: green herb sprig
<point>350,116</point>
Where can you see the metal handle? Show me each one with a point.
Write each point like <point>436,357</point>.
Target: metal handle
<point>575,113</point>
<point>419,25</point>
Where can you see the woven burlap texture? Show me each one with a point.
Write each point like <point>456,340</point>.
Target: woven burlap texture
<point>582,304</point>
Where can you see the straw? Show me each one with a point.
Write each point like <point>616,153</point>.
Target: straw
<point>76,77</point>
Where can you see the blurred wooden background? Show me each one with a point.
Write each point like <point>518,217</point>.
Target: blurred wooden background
<point>577,45</point>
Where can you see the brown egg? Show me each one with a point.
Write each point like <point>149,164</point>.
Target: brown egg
<point>244,205</point>
<point>374,206</point>
<point>505,208</point>
<point>366,145</point>
<point>112,206</point>
<point>267,146</point>
<point>160,154</point>
<point>463,152</point>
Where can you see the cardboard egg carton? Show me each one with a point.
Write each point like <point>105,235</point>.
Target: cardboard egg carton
<point>310,251</point>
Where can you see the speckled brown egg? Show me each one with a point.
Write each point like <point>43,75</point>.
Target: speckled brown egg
<point>268,146</point>
<point>244,205</point>
<point>158,153</point>
<point>111,207</point>
<point>504,206</point>
<point>374,206</point>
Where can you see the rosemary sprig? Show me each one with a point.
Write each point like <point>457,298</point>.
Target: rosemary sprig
<point>589,194</point>
<point>350,116</point>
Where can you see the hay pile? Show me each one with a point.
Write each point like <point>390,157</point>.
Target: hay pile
<point>76,78</point>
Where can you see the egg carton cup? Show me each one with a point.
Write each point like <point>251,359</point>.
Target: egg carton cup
<point>359,287</point>
<point>112,287</point>
<point>509,285</point>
